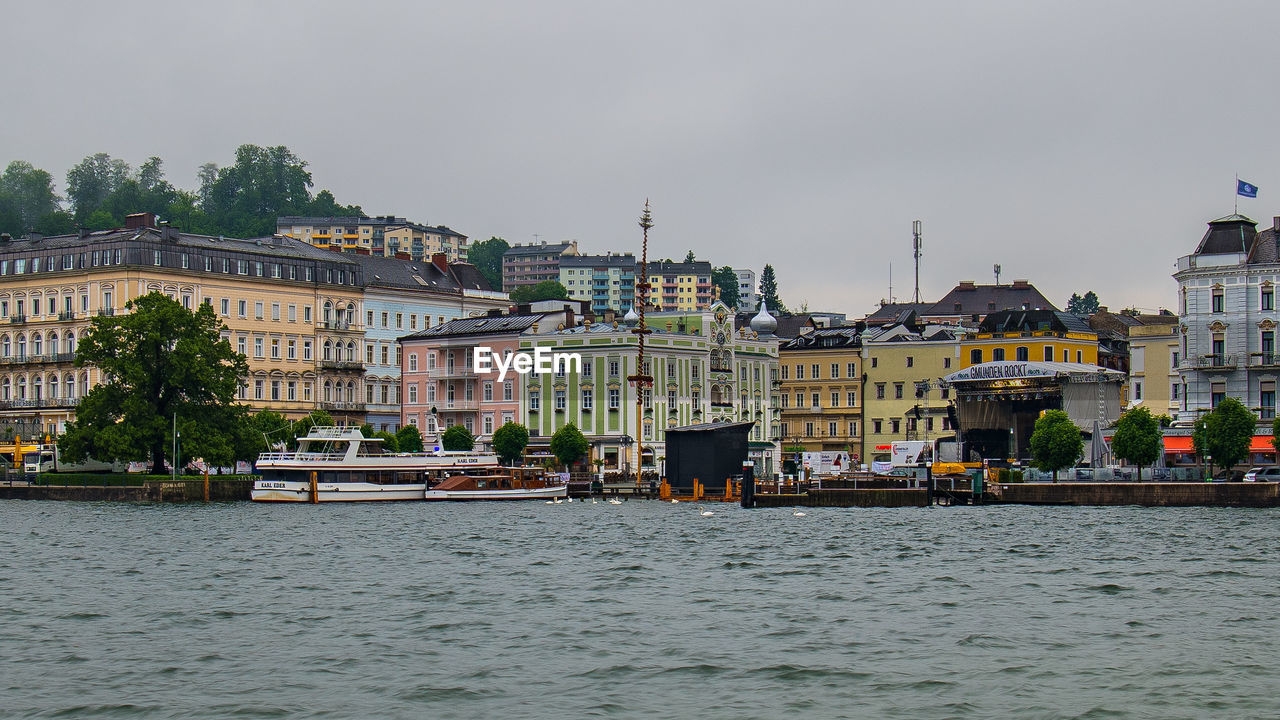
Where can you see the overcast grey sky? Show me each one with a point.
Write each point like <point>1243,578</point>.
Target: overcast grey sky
<point>1081,145</point>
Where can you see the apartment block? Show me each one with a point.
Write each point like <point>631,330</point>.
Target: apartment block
<point>381,236</point>
<point>681,286</point>
<point>607,281</point>
<point>534,263</point>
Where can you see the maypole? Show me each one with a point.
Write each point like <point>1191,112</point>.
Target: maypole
<point>641,379</point>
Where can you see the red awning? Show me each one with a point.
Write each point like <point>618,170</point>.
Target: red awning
<point>1182,444</point>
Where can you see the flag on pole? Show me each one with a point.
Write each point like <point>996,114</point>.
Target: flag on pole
<point>1246,189</point>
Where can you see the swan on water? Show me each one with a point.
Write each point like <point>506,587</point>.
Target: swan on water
<point>704,512</point>
<point>798,513</point>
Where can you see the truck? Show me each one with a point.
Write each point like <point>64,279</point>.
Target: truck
<point>47,459</point>
<point>942,455</point>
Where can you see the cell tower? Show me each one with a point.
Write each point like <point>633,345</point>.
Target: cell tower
<point>915,244</point>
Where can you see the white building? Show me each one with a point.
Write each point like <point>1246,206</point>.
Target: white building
<point>748,295</point>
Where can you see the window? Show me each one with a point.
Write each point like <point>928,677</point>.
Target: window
<point>257,311</point>
<point>275,350</point>
<point>911,361</point>
<point>275,389</point>
<point>399,321</point>
<point>1023,354</point>
<point>835,400</point>
<point>785,371</point>
<point>1268,299</point>
<point>975,356</point>
<point>1173,390</point>
<point>240,345</point>
<point>534,400</point>
<point>291,349</point>
<point>1173,359</point>
<point>808,429</point>
<point>897,391</point>
<point>560,400</point>
<point>799,372</point>
<point>877,426</point>
<point>242,307</point>
<point>1217,300</point>
<point>157,257</point>
<point>1267,398</point>
<point>306,349</point>
<point>875,362</point>
<point>614,398</point>
<point>817,401</point>
<point>384,318</point>
<point>275,311</point>
<point>835,371</point>
<point>997,354</point>
<point>895,426</point>
<point>815,369</point>
<point>413,362</point>
<point>851,399</point>
<point>413,392</point>
<point>1218,393</point>
<point>257,347</point>
<point>1079,356</point>
<point>487,394</point>
<point>306,313</point>
<point>586,399</point>
<point>851,370</point>
<point>384,352</point>
<point>242,267</point>
<point>293,313</point>
<point>226,306</point>
<point>257,389</point>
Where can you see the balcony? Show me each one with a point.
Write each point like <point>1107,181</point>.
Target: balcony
<point>1264,360</point>
<point>1212,361</point>
<point>335,325</point>
<point>106,312</point>
<point>343,365</point>
<point>68,315</point>
<point>459,373</point>
<point>342,406</point>
<point>39,359</point>
<point>454,405</point>
<point>62,402</point>
<point>17,319</point>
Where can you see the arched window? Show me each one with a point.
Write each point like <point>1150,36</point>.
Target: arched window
<point>71,385</point>
<point>337,392</point>
<point>53,387</point>
<point>328,350</point>
<point>6,390</point>
<point>84,384</point>
<point>328,391</point>
<point>37,386</point>
<point>22,345</point>
<point>53,344</point>
<point>350,315</point>
<point>351,391</point>
<point>351,352</point>
<point>22,388</point>
<point>37,344</point>
<point>6,348</point>
<point>328,312</point>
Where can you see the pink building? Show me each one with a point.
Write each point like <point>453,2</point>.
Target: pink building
<point>440,388</point>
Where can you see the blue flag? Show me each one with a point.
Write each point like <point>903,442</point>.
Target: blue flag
<point>1245,189</point>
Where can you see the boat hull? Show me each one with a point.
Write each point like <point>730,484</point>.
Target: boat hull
<point>300,492</point>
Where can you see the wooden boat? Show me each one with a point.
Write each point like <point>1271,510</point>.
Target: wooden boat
<point>508,484</point>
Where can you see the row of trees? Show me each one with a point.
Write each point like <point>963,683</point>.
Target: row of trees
<point>240,200</point>
<point>1222,437</point>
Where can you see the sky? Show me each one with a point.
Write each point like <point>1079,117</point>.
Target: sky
<point>1080,145</point>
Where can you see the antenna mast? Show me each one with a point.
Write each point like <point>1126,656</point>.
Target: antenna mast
<point>915,244</point>
<point>997,270</point>
<point>642,379</point>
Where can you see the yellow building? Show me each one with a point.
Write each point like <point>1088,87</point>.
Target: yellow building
<point>682,286</point>
<point>383,236</point>
<point>904,363</point>
<point>1031,336</point>
<point>1151,356</point>
<point>821,390</point>
<point>294,311</point>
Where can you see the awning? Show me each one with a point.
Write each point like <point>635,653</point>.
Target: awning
<point>1182,444</point>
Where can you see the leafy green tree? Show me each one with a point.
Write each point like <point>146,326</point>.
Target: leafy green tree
<point>245,198</point>
<point>92,181</point>
<point>261,432</point>
<point>389,442</point>
<point>409,439</point>
<point>727,280</point>
<point>367,430</point>
<point>324,205</point>
<point>1137,438</point>
<point>688,257</point>
<point>510,440</point>
<point>159,361</point>
<point>27,198</point>
<point>486,255</point>
<point>457,437</point>
<point>769,291</point>
<point>1228,433</point>
<point>1056,442</point>
<point>1083,306</point>
<point>302,428</point>
<point>568,445</point>
<point>545,290</point>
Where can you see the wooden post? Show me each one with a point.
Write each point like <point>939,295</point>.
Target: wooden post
<point>206,483</point>
<point>315,493</point>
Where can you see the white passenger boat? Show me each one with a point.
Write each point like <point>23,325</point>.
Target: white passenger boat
<point>339,464</point>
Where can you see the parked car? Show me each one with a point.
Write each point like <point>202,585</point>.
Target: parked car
<point>1258,474</point>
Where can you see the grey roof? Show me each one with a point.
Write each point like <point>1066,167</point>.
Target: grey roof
<point>551,249</point>
<point>500,324</point>
<point>706,427</point>
<point>697,267</point>
<point>825,338</point>
<point>1264,248</point>
<point>1029,320</point>
<point>974,299</point>
<point>405,274</point>
<point>889,312</point>
<point>623,260</point>
<point>789,326</point>
<point>274,246</point>
<point>1230,234</point>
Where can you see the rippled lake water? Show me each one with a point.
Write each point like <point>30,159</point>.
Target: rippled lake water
<point>641,610</point>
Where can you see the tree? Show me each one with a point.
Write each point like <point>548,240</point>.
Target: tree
<point>688,257</point>
<point>261,432</point>
<point>245,198</point>
<point>510,440</point>
<point>27,198</point>
<point>769,292</point>
<point>159,361</point>
<point>486,255</point>
<point>545,290</point>
<point>568,445</point>
<point>92,181</point>
<point>1228,433</point>
<point>409,439</point>
<point>389,442</point>
<point>457,437</point>
<point>317,418</point>
<point>727,280</point>
<point>1137,438</point>
<point>1056,442</point>
<point>1083,306</point>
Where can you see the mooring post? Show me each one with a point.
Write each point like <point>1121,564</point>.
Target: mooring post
<point>315,494</point>
<point>206,483</point>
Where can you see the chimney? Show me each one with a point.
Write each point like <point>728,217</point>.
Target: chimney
<point>5,238</point>
<point>441,261</point>
<point>494,312</point>
<point>362,251</point>
<point>609,316</point>
<point>1275,223</point>
<point>1102,308</point>
<point>568,316</point>
<point>403,256</point>
<point>35,237</point>
<point>83,232</point>
<point>1021,285</point>
<point>137,221</point>
<point>966,285</point>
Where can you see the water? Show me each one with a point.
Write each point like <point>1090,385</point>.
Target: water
<point>641,610</point>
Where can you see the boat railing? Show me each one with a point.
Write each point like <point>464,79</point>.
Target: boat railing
<point>330,431</point>
<point>301,456</point>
